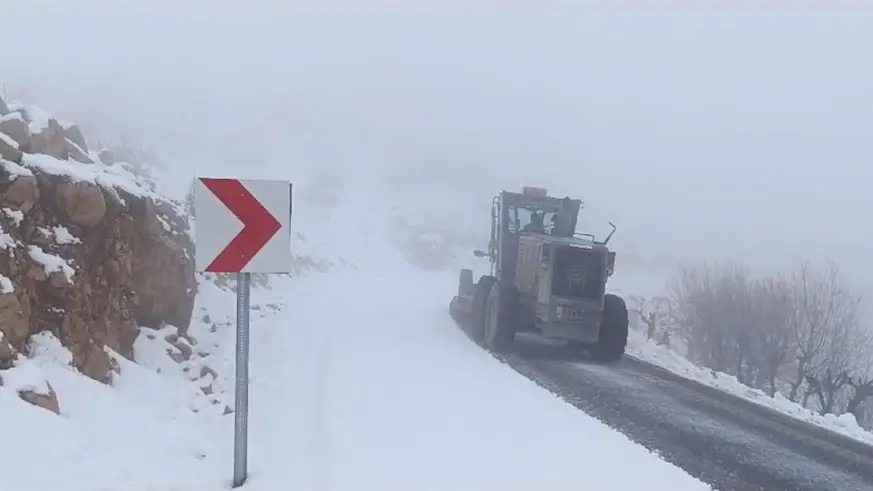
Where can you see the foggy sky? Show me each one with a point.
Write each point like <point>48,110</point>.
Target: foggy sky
<point>744,136</point>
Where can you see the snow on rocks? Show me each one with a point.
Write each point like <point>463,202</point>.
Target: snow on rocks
<point>8,141</point>
<point>51,263</point>
<point>15,215</point>
<point>38,120</point>
<point>6,285</point>
<point>6,241</point>
<point>63,211</point>
<point>24,377</point>
<point>63,236</point>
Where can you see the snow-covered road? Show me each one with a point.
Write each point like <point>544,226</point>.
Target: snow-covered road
<point>360,381</point>
<point>371,386</point>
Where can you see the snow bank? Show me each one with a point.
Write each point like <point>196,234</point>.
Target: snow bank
<point>25,376</point>
<point>105,437</point>
<point>637,283</point>
<point>666,358</point>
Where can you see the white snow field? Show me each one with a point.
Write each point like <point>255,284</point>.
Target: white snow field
<point>383,392</point>
<point>356,385</point>
<point>359,381</point>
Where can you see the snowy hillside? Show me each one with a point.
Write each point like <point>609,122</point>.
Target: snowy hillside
<point>359,381</point>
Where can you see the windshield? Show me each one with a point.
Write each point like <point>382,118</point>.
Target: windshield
<point>522,219</point>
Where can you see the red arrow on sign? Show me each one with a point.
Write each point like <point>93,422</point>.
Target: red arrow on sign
<point>259,226</point>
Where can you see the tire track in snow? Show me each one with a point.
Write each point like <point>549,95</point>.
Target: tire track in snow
<point>296,355</point>
<point>317,454</point>
<point>322,463</point>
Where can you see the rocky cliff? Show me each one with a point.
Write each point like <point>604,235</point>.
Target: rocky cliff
<point>88,252</point>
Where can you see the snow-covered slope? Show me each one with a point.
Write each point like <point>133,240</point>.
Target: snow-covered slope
<point>359,380</point>
<point>649,351</point>
<point>647,285</point>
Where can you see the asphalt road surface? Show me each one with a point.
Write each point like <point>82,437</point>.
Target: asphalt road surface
<point>731,444</point>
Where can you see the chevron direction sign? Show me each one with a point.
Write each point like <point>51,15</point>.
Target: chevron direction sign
<point>242,226</point>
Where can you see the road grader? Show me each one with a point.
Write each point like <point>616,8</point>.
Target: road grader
<point>544,278</point>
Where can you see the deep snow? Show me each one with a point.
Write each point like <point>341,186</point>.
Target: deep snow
<point>356,384</point>
<point>359,380</point>
<point>397,397</point>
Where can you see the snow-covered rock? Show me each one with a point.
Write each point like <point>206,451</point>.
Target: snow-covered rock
<point>88,251</point>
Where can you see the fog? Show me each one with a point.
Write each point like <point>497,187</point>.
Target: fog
<point>716,135</point>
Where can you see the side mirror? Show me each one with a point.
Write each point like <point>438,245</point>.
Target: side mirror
<point>606,240</point>
<point>479,253</point>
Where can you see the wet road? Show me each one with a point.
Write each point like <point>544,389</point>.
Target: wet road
<point>729,443</point>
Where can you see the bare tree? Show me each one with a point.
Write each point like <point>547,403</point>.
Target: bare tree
<point>652,314</point>
<point>635,305</point>
<point>649,318</point>
<point>862,390</point>
<point>801,327</point>
<point>826,318</point>
<point>689,307</point>
<point>744,311</point>
<point>663,320</point>
<point>860,382</point>
<point>773,336</point>
<point>714,312</point>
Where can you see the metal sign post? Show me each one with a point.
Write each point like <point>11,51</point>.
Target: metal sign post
<point>241,394</point>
